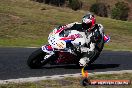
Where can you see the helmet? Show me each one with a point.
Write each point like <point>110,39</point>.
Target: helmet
<point>88,21</point>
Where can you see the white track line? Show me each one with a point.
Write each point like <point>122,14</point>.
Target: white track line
<point>34,79</point>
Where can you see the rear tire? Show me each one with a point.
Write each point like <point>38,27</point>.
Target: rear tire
<point>35,60</point>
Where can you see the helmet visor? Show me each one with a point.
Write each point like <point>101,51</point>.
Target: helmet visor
<point>86,26</point>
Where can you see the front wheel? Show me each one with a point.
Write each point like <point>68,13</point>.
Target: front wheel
<point>36,59</point>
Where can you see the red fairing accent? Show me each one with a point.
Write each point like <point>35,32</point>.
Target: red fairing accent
<point>72,37</point>
<point>49,48</point>
<point>58,31</point>
<point>68,38</point>
<point>65,38</point>
<point>61,29</point>
<point>105,37</point>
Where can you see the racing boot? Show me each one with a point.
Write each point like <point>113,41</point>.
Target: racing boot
<point>83,61</point>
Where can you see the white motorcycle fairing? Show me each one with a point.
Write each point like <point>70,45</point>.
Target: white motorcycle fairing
<point>48,49</point>
<point>59,39</point>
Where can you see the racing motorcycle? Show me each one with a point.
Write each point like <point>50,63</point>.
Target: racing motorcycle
<point>63,48</point>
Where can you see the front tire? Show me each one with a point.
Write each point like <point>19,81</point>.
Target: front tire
<point>36,59</point>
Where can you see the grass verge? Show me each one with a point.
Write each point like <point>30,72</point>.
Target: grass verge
<point>72,82</point>
<point>26,23</point>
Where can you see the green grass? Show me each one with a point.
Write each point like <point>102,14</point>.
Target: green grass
<point>72,82</point>
<point>25,23</point>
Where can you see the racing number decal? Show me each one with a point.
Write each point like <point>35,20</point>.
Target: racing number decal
<point>52,40</point>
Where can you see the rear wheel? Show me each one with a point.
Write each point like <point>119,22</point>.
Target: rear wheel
<point>36,59</point>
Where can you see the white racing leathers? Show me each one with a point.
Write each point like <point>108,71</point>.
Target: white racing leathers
<point>92,38</point>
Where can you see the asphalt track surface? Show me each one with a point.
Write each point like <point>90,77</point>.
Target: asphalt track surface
<point>13,64</point>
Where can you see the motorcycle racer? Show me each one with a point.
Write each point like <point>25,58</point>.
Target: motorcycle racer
<point>94,33</point>
<point>88,24</point>
<point>71,43</point>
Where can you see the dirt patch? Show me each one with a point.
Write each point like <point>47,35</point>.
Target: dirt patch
<point>9,17</point>
<point>14,17</point>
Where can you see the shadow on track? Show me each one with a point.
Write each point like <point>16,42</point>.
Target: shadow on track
<point>101,66</point>
<point>91,67</point>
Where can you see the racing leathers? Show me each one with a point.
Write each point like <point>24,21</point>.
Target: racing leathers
<point>92,38</point>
